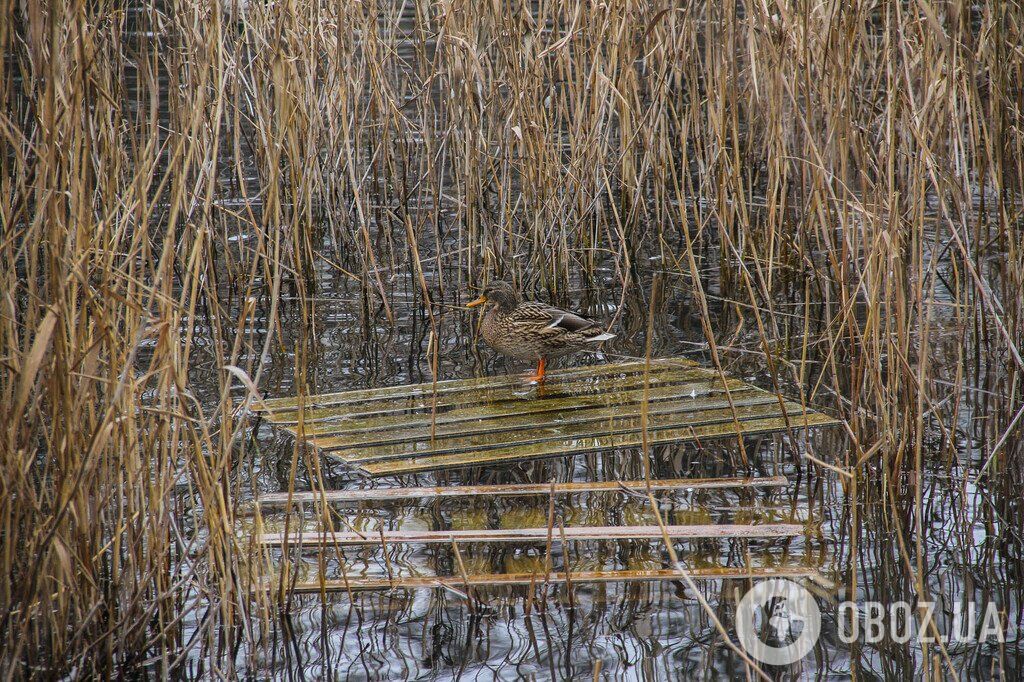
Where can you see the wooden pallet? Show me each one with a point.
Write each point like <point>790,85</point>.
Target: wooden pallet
<point>468,422</point>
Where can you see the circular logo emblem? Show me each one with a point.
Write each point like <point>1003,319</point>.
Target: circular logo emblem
<point>790,619</point>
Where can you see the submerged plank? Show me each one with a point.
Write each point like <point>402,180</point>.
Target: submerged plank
<point>594,443</point>
<point>508,579</point>
<point>514,489</point>
<point>532,535</point>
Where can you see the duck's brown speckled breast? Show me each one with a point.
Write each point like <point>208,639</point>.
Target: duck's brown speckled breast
<point>505,338</point>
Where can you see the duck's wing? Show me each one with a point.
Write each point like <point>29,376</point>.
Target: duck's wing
<point>540,315</point>
<point>554,323</point>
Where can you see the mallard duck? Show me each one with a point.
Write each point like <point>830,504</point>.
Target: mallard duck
<point>532,331</point>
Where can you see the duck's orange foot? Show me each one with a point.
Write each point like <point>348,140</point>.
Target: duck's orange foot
<point>538,375</point>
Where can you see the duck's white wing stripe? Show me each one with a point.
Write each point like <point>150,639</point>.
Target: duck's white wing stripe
<point>555,323</point>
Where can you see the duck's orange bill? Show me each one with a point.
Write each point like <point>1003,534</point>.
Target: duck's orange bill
<point>476,302</point>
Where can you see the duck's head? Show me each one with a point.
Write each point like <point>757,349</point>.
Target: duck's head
<point>501,295</point>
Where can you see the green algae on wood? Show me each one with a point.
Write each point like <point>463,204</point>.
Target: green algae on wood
<point>584,445</point>
<point>540,405</point>
<point>472,422</point>
<point>573,425</point>
<point>518,395</point>
<point>455,385</point>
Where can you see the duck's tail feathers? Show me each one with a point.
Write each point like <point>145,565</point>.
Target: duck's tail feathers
<point>600,337</point>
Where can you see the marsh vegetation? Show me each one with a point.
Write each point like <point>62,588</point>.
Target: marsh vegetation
<point>298,195</point>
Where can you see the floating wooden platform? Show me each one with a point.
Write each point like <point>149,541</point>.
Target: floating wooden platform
<point>469,422</point>
<point>558,577</point>
<point>518,489</point>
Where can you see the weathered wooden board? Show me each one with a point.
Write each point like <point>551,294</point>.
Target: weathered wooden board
<point>471,422</point>
<point>508,579</point>
<point>517,489</point>
<point>531,535</point>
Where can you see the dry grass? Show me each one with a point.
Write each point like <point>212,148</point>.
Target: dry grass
<point>835,186</point>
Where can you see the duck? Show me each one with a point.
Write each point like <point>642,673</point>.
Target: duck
<point>533,331</point>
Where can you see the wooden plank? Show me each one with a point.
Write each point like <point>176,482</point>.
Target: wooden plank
<point>469,422</point>
<point>591,444</point>
<point>532,535</point>
<point>538,405</point>
<point>759,407</point>
<point>515,489</point>
<point>508,430</point>
<point>453,385</point>
<point>512,579</point>
<point>506,398</point>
